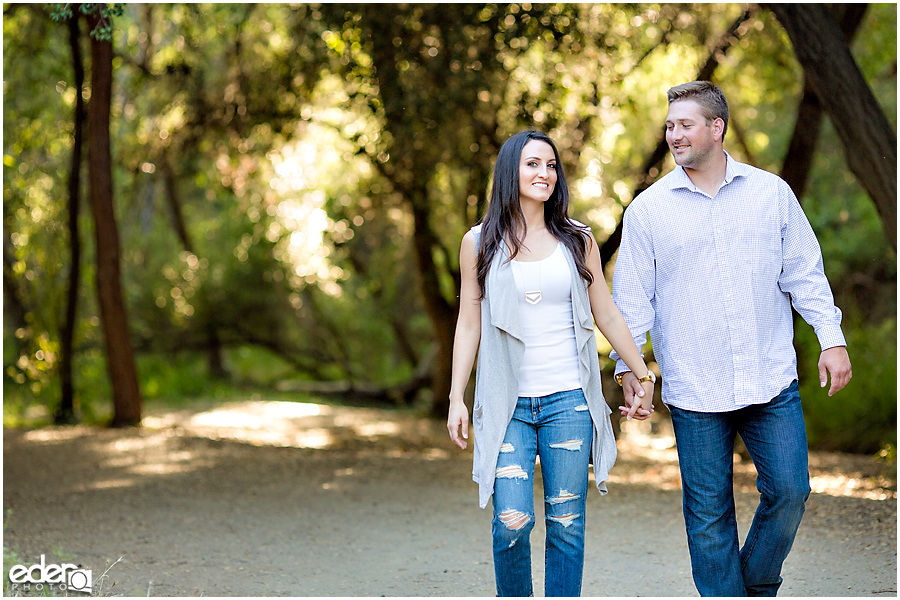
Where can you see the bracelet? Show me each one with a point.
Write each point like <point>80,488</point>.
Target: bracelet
<point>650,376</point>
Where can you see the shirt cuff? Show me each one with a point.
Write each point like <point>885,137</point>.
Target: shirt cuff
<point>830,336</point>
<point>621,367</point>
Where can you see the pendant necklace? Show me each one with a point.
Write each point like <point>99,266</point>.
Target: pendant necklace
<point>534,296</point>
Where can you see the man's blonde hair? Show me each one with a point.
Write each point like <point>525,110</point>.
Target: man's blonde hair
<point>710,98</point>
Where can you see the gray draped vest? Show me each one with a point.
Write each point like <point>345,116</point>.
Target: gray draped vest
<point>497,372</point>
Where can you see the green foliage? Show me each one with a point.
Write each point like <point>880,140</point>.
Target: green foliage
<point>103,30</point>
<point>312,151</point>
<point>863,416</point>
<point>888,455</point>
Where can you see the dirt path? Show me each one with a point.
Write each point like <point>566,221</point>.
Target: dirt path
<point>286,499</point>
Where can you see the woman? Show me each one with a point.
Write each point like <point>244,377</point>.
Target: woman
<point>531,280</point>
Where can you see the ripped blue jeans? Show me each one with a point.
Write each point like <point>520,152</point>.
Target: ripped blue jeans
<point>557,427</point>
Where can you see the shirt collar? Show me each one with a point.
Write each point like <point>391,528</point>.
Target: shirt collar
<point>733,169</point>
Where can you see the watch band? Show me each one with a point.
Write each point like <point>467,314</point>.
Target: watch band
<point>650,376</point>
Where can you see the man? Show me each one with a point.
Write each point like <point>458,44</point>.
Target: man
<point>713,255</point>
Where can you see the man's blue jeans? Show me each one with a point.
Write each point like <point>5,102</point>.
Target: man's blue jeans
<point>558,427</point>
<point>775,435</point>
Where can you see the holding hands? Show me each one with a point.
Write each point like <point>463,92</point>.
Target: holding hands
<point>638,397</point>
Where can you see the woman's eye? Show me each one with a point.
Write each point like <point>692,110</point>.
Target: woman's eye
<point>552,166</point>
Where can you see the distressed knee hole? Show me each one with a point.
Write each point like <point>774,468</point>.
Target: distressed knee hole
<point>507,448</point>
<point>569,445</point>
<point>564,496</point>
<point>581,408</point>
<point>514,519</point>
<point>564,520</point>
<point>512,472</point>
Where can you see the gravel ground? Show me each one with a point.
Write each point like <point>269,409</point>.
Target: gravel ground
<point>290,499</point>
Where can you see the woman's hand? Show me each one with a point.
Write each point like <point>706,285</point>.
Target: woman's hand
<point>457,419</point>
<point>638,398</point>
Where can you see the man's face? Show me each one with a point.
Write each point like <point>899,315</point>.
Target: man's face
<point>691,139</point>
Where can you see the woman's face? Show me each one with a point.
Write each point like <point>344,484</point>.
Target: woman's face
<point>537,172</point>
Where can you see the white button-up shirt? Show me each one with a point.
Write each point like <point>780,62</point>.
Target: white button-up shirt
<point>713,279</point>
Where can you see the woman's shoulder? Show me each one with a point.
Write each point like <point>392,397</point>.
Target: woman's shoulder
<point>471,238</point>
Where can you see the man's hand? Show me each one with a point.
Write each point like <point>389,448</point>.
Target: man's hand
<point>638,398</point>
<point>837,362</point>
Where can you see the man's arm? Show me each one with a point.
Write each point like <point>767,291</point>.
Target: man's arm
<point>803,277</point>
<point>634,284</point>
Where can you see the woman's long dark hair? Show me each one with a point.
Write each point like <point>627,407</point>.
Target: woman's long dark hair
<point>505,219</point>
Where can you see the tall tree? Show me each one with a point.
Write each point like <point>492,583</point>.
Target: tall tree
<point>119,352</point>
<point>798,161</point>
<point>65,413</point>
<point>870,143</point>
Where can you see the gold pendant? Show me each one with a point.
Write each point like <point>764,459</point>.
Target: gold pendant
<point>533,297</point>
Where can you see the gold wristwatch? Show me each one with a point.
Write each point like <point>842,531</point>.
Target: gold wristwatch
<point>650,376</point>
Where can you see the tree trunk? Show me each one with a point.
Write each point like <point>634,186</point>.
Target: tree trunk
<point>14,305</point>
<point>869,142</point>
<point>65,413</point>
<point>440,312</point>
<point>414,171</point>
<point>119,352</point>
<point>215,355</point>
<point>174,202</point>
<point>798,161</point>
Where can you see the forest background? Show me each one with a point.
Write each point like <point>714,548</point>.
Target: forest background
<point>220,201</point>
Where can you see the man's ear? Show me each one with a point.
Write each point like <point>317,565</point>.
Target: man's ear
<point>718,129</point>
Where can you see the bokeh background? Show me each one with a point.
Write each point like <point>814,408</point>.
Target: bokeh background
<point>278,210</point>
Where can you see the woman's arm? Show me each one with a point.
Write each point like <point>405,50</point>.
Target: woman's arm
<point>466,340</point>
<point>613,327</point>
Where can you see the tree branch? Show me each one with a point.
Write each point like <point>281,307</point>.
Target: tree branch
<point>870,143</point>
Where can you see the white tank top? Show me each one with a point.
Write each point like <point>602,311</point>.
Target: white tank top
<point>550,363</point>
